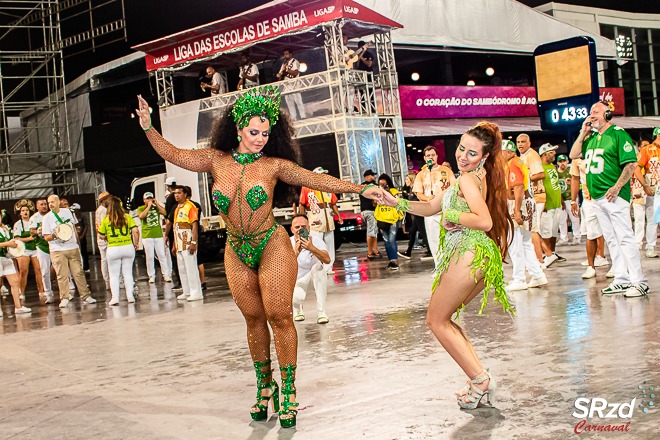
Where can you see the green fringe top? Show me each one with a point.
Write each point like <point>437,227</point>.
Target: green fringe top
<point>487,258</point>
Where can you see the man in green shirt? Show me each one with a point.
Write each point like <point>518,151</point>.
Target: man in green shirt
<point>565,179</point>
<point>151,217</point>
<point>549,227</point>
<point>610,160</point>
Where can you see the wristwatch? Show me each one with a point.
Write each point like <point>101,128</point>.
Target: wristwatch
<point>193,242</point>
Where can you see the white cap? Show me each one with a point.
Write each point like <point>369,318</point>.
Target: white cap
<point>320,170</point>
<point>170,181</point>
<point>547,147</point>
<point>148,195</point>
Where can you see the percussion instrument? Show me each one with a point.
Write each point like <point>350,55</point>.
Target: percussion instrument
<point>63,231</point>
<point>18,251</point>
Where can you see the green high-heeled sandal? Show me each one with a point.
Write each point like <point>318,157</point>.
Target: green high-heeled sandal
<point>289,409</point>
<point>259,411</point>
<point>472,397</point>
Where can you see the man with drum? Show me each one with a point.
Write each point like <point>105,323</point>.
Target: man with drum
<point>43,250</point>
<point>58,229</point>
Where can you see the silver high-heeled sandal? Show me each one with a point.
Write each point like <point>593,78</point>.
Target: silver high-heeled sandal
<point>472,397</point>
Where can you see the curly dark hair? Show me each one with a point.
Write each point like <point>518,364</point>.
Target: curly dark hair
<point>387,179</point>
<point>280,144</point>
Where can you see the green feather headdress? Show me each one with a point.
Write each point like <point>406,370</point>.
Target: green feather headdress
<point>258,101</point>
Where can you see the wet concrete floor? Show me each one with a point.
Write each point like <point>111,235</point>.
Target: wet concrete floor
<point>162,369</point>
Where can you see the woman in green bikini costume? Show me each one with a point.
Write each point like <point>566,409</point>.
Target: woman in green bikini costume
<point>253,160</point>
<point>473,241</point>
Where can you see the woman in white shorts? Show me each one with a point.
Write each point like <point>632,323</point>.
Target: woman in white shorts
<point>7,268</point>
<point>21,231</point>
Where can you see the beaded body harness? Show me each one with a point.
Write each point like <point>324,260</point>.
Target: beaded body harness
<point>247,241</point>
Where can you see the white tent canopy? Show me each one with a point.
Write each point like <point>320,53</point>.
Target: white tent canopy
<point>497,25</point>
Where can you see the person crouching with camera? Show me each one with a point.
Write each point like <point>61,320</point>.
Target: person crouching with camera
<point>312,255</point>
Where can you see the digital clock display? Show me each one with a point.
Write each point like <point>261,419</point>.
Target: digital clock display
<point>566,82</point>
<point>566,115</point>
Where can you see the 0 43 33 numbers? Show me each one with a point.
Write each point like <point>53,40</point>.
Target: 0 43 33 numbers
<point>569,114</point>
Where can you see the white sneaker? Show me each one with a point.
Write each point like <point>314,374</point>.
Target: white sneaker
<point>152,280</point>
<point>651,253</point>
<point>22,310</point>
<point>64,303</point>
<point>196,297</point>
<point>130,299</point>
<point>610,274</point>
<point>549,260</point>
<point>585,263</point>
<point>114,302</point>
<point>538,282</point>
<point>639,289</point>
<point>183,296</point>
<point>589,273</point>
<point>516,285</point>
<point>562,242</point>
<point>577,241</point>
<point>49,299</point>
<point>600,261</point>
<point>4,290</point>
<point>167,279</point>
<point>89,300</point>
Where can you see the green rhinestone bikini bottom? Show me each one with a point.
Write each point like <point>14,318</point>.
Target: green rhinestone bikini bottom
<point>248,246</point>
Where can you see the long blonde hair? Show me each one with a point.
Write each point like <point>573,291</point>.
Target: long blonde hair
<point>412,177</point>
<point>116,213</point>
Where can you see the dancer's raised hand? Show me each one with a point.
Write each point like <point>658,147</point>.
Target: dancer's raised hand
<point>143,114</point>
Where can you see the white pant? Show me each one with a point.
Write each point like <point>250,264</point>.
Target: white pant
<point>590,220</point>
<point>640,221</point>
<point>189,273</point>
<point>120,261</point>
<point>651,225</point>
<point>103,248</point>
<point>295,106</point>
<point>329,240</point>
<point>158,245</point>
<point>563,225</point>
<point>44,263</point>
<point>614,220</point>
<point>316,277</point>
<point>522,255</point>
<point>432,225</point>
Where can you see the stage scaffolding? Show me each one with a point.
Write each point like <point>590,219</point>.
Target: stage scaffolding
<point>35,143</point>
<point>361,109</point>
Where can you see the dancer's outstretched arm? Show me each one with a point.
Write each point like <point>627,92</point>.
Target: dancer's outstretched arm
<point>424,209</point>
<point>289,172</point>
<point>192,160</point>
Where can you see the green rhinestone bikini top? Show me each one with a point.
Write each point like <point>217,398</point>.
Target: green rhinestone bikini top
<point>247,245</point>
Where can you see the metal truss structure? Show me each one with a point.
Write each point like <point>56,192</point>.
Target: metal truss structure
<point>35,146</point>
<point>361,109</point>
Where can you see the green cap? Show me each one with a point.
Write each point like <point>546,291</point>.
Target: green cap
<point>562,157</point>
<point>509,146</point>
<point>656,131</point>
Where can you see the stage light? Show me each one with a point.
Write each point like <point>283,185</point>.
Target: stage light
<point>303,67</point>
<point>408,145</point>
<point>414,76</point>
<point>471,83</point>
<point>490,71</point>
